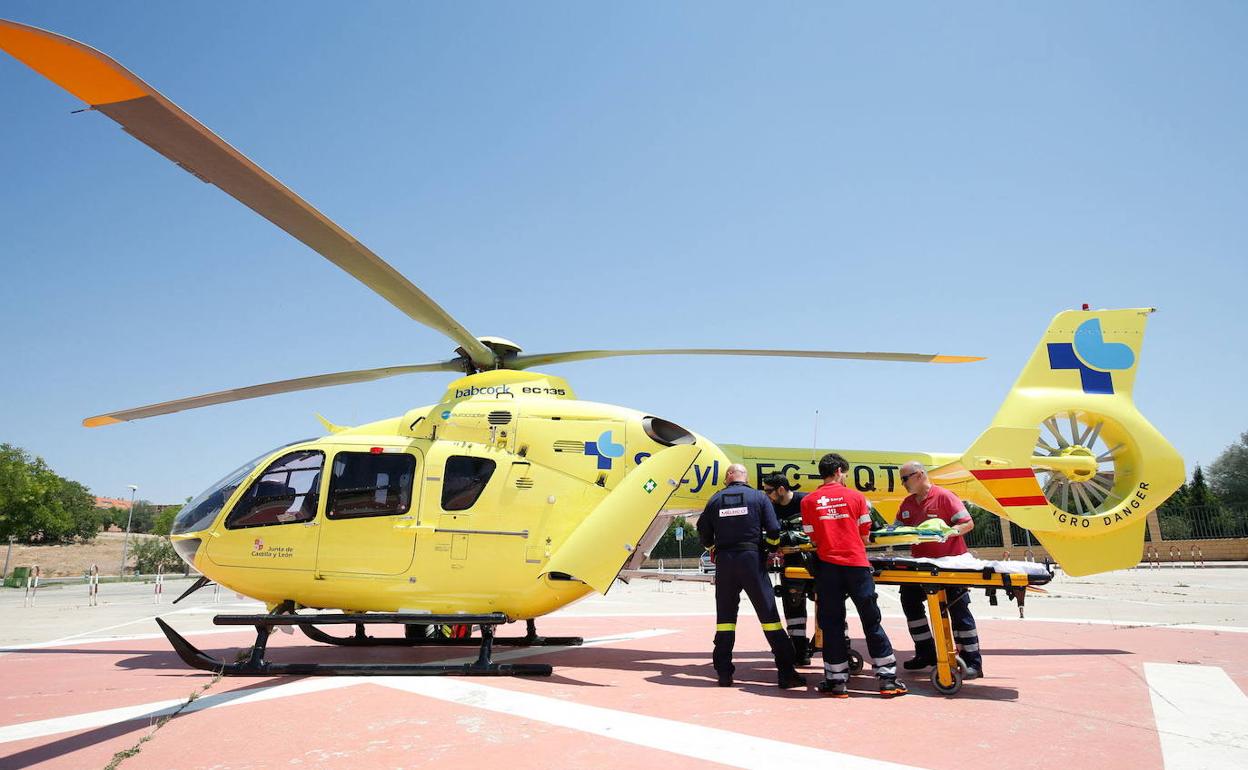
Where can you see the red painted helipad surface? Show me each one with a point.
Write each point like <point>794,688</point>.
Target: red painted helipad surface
<point>640,694</point>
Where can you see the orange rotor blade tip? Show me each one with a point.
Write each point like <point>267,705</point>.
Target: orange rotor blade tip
<point>83,71</point>
<point>95,422</point>
<point>956,359</point>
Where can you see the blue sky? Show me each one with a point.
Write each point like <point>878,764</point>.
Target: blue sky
<point>906,176</point>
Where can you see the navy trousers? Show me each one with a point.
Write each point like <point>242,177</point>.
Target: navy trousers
<point>793,600</point>
<point>737,571</point>
<point>833,583</point>
<point>965,635</point>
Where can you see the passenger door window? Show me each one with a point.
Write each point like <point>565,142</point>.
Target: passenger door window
<point>463,481</point>
<point>367,484</point>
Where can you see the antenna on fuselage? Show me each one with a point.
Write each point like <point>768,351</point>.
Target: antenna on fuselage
<point>814,442</point>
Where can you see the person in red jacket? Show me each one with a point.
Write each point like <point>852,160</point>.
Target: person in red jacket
<point>928,501</point>
<point>838,521</point>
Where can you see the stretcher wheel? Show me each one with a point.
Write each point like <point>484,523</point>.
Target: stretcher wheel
<point>961,665</point>
<point>855,661</point>
<point>951,689</point>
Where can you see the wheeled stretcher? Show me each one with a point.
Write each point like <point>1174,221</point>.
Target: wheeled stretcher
<point>935,577</point>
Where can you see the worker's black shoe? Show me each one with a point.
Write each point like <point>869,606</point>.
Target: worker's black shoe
<point>890,687</point>
<point>834,689</point>
<point>792,679</point>
<point>802,661</point>
<point>725,680</point>
<point>918,663</point>
<point>971,673</point>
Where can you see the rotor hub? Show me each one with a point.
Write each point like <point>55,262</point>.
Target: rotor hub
<point>1083,471</point>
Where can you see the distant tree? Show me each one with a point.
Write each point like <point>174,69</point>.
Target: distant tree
<point>38,506</point>
<point>109,517</point>
<point>163,523</point>
<point>1175,504</point>
<point>155,554</point>
<point>1228,475</point>
<point>668,548</point>
<point>1198,493</point>
<point>143,519</point>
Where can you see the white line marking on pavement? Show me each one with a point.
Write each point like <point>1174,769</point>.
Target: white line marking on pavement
<point>1202,716</point>
<point>72,641</point>
<point>1124,624</point>
<point>684,738</point>
<point>157,709</point>
<point>78,638</point>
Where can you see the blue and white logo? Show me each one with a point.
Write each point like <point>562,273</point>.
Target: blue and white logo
<point>604,449</point>
<point>1092,357</point>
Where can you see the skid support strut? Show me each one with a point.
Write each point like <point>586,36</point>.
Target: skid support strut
<point>414,636</point>
<point>255,663</point>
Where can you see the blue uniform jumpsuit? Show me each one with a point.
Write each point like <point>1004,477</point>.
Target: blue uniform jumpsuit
<point>734,522</point>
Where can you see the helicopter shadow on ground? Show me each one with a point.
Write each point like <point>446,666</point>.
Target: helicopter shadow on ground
<point>1027,652</point>
<point>755,673</point>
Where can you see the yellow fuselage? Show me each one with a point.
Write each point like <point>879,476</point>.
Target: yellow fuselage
<point>555,460</point>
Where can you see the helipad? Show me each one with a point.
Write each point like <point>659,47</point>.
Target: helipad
<point>1136,669</point>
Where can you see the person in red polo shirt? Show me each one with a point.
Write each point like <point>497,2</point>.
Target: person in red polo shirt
<point>838,521</point>
<point>927,501</point>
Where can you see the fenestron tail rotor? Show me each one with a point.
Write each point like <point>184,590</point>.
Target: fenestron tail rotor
<point>1101,449</point>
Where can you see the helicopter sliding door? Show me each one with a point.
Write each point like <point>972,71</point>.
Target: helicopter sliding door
<point>370,511</point>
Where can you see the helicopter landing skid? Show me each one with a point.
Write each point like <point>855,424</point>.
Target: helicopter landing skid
<point>253,663</point>
<point>361,639</point>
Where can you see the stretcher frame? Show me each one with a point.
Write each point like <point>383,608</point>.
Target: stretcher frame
<point>935,581</point>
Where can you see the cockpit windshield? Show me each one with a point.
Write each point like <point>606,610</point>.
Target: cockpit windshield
<point>201,511</point>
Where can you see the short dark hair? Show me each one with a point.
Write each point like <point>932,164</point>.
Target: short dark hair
<point>778,480</point>
<point>830,463</point>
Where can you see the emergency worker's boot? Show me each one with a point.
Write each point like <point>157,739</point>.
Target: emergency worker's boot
<point>833,689</point>
<point>918,663</point>
<point>890,687</point>
<point>791,679</point>
<point>801,650</point>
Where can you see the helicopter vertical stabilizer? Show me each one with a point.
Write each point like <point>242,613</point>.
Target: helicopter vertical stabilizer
<point>1068,455</point>
<point>616,524</point>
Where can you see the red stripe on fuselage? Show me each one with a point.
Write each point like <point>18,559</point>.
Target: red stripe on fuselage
<point>1004,473</point>
<point>1034,500</point>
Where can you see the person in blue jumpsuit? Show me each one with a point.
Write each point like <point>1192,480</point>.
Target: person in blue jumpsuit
<point>733,525</point>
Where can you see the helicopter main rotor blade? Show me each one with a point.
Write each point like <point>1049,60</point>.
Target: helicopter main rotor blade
<point>160,124</point>
<point>268,389</point>
<point>526,361</point>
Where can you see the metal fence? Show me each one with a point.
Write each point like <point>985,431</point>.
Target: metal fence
<point>1207,522</point>
<point>987,531</point>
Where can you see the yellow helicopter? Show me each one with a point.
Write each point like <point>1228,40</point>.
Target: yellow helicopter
<point>511,497</point>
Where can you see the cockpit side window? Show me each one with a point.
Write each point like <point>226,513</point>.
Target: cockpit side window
<point>464,480</point>
<point>366,484</point>
<point>286,493</point>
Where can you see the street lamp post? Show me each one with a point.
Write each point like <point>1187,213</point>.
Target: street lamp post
<point>125,541</point>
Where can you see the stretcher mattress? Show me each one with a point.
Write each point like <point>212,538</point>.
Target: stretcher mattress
<point>1037,574</point>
